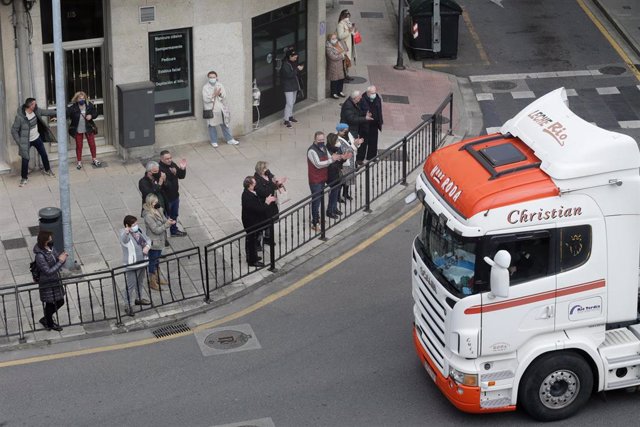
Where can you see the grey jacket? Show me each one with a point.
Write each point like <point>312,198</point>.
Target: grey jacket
<point>131,250</point>
<point>49,266</point>
<point>156,229</point>
<point>20,129</point>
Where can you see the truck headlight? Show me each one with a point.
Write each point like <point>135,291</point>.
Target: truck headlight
<point>470,380</point>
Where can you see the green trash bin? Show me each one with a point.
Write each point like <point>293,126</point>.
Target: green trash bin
<point>419,22</point>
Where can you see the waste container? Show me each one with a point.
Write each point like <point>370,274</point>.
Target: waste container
<point>419,29</point>
<point>51,220</point>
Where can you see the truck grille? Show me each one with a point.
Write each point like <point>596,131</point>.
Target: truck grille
<point>430,315</point>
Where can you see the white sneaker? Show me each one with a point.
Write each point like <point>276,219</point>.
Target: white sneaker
<point>23,182</point>
<point>214,144</point>
<point>233,142</point>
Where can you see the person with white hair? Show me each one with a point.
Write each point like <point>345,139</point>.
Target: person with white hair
<point>372,103</point>
<point>153,183</point>
<point>357,119</point>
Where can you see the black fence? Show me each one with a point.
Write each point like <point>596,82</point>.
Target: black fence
<point>111,295</point>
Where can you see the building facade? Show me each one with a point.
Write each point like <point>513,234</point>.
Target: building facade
<point>111,44</point>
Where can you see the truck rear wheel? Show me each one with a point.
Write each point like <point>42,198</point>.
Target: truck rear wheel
<point>556,386</point>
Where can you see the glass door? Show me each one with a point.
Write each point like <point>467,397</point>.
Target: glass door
<point>273,33</point>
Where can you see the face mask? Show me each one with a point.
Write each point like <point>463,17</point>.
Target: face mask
<point>212,81</point>
<point>372,97</point>
<point>156,206</point>
<point>50,244</point>
<point>135,228</point>
<point>81,101</point>
<point>156,176</point>
<point>334,41</point>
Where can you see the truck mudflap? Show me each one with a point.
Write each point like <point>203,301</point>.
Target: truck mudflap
<point>465,398</point>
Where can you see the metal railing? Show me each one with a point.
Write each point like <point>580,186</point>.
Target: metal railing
<point>225,259</point>
<point>103,296</point>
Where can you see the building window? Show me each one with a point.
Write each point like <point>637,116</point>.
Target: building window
<point>170,59</point>
<point>81,20</point>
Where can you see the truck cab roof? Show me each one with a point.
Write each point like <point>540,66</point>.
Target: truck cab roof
<point>543,144</point>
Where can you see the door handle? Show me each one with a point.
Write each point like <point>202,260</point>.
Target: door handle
<point>547,312</point>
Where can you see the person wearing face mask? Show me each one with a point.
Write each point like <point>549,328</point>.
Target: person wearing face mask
<point>348,144</point>
<point>372,103</point>
<point>214,97</point>
<point>156,225</point>
<point>290,80</point>
<point>82,112</point>
<point>135,248</point>
<point>345,32</point>
<point>153,182</point>
<point>29,130</point>
<point>49,263</point>
<point>335,65</point>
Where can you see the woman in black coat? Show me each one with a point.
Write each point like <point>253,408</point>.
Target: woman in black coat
<point>267,185</point>
<point>49,263</point>
<point>335,177</point>
<point>82,113</point>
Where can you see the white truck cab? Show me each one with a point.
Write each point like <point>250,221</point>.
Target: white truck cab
<point>525,271</point>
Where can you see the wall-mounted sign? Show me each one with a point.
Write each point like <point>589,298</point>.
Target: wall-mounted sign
<point>170,57</point>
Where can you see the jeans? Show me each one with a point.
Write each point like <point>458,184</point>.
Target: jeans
<point>43,154</point>
<point>172,212</point>
<point>91,139</point>
<point>135,283</point>
<point>336,86</point>
<point>334,195</point>
<point>154,256</point>
<point>289,100</point>
<point>213,133</point>
<point>316,192</point>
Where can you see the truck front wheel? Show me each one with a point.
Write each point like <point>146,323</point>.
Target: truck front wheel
<point>555,386</point>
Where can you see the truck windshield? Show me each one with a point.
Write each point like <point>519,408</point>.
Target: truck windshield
<point>449,256</point>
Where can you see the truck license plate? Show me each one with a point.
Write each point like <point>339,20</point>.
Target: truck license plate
<point>430,371</point>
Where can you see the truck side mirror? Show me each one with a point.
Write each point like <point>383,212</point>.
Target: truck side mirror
<point>499,279</point>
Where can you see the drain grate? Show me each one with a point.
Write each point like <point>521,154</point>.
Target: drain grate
<point>14,243</point>
<point>174,329</point>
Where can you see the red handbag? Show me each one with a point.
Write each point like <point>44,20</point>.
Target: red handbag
<point>357,38</point>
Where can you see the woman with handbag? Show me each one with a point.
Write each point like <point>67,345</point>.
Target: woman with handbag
<point>215,110</point>
<point>48,264</point>
<point>345,31</point>
<point>336,58</point>
<point>82,114</point>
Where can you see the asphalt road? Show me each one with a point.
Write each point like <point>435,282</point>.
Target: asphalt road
<point>336,352</point>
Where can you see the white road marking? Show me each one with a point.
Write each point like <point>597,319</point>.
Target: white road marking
<point>493,130</point>
<point>571,92</point>
<point>497,3</point>
<point>612,90</point>
<point>630,124</point>
<point>484,96</point>
<point>541,75</point>
<point>523,94</point>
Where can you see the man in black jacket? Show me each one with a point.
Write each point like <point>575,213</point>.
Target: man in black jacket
<point>357,119</point>
<point>173,173</point>
<point>254,212</point>
<point>153,182</point>
<point>371,102</point>
<point>290,84</point>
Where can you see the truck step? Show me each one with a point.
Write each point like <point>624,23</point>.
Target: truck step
<point>623,383</point>
<point>623,361</point>
<point>496,403</point>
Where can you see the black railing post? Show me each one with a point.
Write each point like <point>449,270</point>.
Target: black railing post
<point>367,188</point>
<point>207,289</point>
<point>450,114</point>
<point>115,298</point>
<point>272,245</point>
<point>21,339</point>
<point>434,132</point>
<point>323,218</point>
<point>404,161</point>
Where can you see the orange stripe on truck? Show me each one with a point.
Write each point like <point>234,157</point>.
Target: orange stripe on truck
<point>502,305</point>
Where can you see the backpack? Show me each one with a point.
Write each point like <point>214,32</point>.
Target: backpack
<point>35,271</point>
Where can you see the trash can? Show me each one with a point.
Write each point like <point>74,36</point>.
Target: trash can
<point>51,220</point>
<point>419,29</point>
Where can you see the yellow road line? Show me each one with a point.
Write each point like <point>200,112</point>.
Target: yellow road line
<point>262,303</point>
<point>610,39</point>
<point>476,38</point>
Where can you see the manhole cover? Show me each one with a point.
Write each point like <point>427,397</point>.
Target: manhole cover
<point>612,70</point>
<point>502,85</point>
<point>227,339</point>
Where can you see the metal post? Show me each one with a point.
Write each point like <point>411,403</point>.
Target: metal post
<point>367,189</point>
<point>207,289</point>
<point>22,49</point>
<point>63,164</point>
<point>115,296</point>
<point>436,25</point>
<point>272,246</point>
<point>400,62</point>
<point>21,337</point>
<point>323,218</point>
<point>404,161</point>
<point>450,132</point>
<point>433,132</point>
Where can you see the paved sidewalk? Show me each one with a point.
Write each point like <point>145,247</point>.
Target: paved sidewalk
<point>210,194</point>
<point>625,17</point>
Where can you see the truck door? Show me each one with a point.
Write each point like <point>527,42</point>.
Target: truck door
<point>529,309</point>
